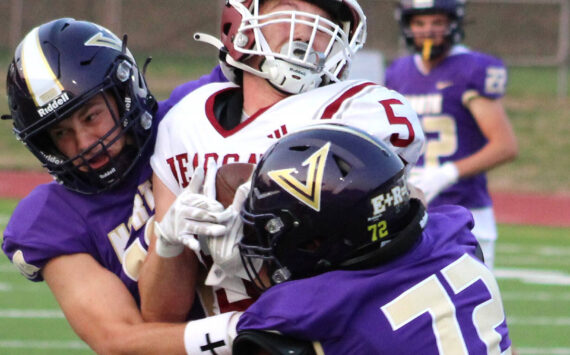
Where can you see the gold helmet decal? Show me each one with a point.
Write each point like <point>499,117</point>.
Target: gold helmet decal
<point>310,192</point>
<point>105,39</point>
<point>40,78</point>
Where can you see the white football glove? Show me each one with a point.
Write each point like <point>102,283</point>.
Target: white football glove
<point>433,180</point>
<point>224,250</point>
<point>192,213</point>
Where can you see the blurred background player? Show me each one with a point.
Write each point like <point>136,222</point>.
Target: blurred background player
<point>457,94</point>
<point>81,105</point>
<point>356,266</point>
<point>288,60</point>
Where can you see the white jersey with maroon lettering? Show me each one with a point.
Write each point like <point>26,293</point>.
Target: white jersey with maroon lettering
<point>190,135</point>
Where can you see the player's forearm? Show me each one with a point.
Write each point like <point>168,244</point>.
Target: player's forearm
<point>489,157</point>
<point>215,333</point>
<point>167,286</point>
<point>141,338</point>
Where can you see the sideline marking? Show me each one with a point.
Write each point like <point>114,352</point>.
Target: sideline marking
<point>32,313</point>
<point>536,296</point>
<point>43,344</point>
<point>543,351</point>
<point>545,250</point>
<point>539,321</point>
<point>533,276</point>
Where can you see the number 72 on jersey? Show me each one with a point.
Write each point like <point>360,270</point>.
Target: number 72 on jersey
<point>430,296</point>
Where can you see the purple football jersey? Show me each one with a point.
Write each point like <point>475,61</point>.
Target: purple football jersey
<point>439,97</point>
<point>53,221</point>
<point>437,298</point>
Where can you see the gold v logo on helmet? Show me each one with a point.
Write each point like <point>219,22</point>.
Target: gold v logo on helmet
<point>100,40</point>
<point>310,192</point>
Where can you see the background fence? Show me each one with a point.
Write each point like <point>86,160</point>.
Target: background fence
<point>522,32</point>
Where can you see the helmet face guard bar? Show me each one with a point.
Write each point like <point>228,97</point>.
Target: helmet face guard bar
<point>254,247</point>
<point>297,66</point>
<point>295,19</point>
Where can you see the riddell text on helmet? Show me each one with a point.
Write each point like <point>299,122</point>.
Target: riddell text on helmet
<point>53,105</point>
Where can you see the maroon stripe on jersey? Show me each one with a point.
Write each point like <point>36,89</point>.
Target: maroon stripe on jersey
<point>242,305</point>
<point>334,107</point>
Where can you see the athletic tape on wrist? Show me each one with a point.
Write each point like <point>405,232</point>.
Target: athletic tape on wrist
<point>211,335</point>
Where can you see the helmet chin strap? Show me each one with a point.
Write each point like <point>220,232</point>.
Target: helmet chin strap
<point>294,78</point>
<point>224,57</point>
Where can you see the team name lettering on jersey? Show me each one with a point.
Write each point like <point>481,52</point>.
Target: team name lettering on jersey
<point>182,167</point>
<point>143,209</point>
<point>430,104</point>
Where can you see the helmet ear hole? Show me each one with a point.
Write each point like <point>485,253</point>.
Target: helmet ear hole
<point>342,165</point>
<point>226,28</point>
<point>312,245</point>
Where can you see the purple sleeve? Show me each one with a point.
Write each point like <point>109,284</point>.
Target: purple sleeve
<point>182,90</point>
<point>33,234</point>
<point>389,75</point>
<point>488,76</point>
<point>345,310</point>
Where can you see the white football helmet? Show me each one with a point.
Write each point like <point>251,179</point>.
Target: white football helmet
<point>297,66</point>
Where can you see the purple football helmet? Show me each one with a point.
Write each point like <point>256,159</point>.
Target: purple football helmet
<point>454,9</point>
<point>56,69</point>
<point>324,198</point>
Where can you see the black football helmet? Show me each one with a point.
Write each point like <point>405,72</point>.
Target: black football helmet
<point>454,9</point>
<point>325,198</point>
<point>56,69</point>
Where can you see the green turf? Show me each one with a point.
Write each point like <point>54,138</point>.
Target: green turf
<point>538,314</point>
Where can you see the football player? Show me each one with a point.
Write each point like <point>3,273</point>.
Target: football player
<point>287,61</point>
<point>352,264</point>
<point>81,105</point>
<point>457,94</point>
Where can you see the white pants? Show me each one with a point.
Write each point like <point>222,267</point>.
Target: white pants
<point>485,230</point>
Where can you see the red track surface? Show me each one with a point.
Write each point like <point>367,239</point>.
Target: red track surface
<point>510,207</point>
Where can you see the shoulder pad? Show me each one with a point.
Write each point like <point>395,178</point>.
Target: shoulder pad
<point>255,341</point>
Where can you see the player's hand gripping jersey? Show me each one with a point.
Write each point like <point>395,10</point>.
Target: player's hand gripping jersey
<point>191,133</point>
<point>440,98</point>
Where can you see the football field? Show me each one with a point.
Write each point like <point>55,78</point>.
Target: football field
<point>532,269</point>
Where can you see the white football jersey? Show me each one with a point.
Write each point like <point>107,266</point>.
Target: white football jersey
<point>190,135</point>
